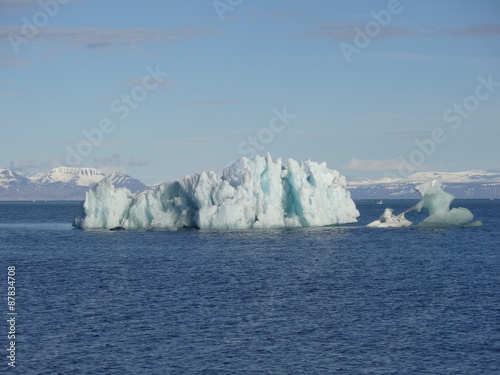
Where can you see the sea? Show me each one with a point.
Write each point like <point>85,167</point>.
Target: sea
<point>332,300</point>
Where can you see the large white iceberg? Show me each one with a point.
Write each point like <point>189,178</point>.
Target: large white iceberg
<point>252,193</point>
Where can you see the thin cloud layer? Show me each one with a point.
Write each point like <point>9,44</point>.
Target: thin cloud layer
<point>474,31</point>
<point>188,142</point>
<point>25,165</point>
<point>107,99</point>
<point>12,63</point>
<point>373,165</point>
<point>216,101</point>
<point>347,32</point>
<point>137,162</point>
<point>92,37</point>
<point>112,160</point>
<point>140,82</point>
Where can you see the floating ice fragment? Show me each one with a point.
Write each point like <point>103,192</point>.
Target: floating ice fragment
<point>389,220</point>
<point>437,202</point>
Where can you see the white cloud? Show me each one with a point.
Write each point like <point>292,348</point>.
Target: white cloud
<point>188,142</point>
<point>136,162</point>
<point>216,101</point>
<point>107,99</point>
<point>140,82</point>
<point>107,161</point>
<point>373,165</point>
<point>24,165</point>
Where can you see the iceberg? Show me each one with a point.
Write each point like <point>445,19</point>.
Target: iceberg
<point>389,220</point>
<point>251,193</point>
<point>437,202</point>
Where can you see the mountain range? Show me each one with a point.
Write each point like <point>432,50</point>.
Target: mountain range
<point>464,185</point>
<point>61,183</point>
<point>65,183</point>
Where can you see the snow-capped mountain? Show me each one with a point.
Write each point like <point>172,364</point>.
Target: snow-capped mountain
<point>61,183</point>
<point>10,179</point>
<point>124,180</point>
<point>66,175</point>
<point>469,184</point>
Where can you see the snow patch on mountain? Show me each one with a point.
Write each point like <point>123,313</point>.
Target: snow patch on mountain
<point>9,178</point>
<point>67,175</point>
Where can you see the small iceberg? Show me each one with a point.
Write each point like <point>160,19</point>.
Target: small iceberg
<point>437,202</point>
<point>389,220</point>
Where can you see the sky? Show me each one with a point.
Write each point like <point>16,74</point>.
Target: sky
<point>161,89</point>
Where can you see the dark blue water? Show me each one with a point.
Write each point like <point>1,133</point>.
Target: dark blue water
<point>337,300</point>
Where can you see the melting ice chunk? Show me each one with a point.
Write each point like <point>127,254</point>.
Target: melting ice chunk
<point>437,202</point>
<point>389,220</point>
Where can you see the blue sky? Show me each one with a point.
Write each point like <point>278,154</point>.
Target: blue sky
<point>374,88</point>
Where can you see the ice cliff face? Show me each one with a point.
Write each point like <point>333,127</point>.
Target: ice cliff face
<point>255,193</point>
